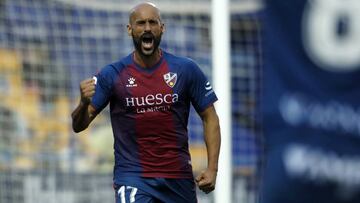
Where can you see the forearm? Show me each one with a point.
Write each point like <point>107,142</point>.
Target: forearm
<point>212,141</point>
<point>81,117</point>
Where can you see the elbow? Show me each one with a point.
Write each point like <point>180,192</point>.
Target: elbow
<point>78,124</point>
<point>77,128</point>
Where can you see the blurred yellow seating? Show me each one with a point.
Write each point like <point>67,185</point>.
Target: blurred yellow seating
<point>198,157</point>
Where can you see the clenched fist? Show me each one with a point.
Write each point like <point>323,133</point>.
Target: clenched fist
<point>206,180</point>
<point>87,89</point>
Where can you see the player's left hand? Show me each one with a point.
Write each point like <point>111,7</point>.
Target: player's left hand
<point>206,180</point>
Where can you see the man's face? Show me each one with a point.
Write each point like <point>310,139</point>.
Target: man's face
<point>146,30</point>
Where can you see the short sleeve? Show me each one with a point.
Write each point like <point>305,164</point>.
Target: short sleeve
<point>201,92</point>
<point>103,87</point>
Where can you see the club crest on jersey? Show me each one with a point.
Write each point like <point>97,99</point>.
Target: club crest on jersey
<point>170,79</point>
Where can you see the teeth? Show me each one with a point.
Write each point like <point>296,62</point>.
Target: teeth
<point>147,44</point>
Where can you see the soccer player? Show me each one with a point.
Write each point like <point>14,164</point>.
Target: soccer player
<point>311,101</point>
<point>150,92</point>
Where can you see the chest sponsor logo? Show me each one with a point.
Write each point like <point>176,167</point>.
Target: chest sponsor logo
<point>131,82</point>
<point>170,79</point>
<point>152,102</point>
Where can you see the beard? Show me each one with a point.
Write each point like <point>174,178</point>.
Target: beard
<point>148,36</point>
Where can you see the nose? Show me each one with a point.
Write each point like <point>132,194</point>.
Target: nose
<point>147,26</point>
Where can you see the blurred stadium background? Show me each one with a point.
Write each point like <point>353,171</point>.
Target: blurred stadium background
<point>48,46</point>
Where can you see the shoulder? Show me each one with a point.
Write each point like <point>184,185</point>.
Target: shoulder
<point>184,62</point>
<point>122,63</point>
<point>111,72</point>
<point>116,66</point>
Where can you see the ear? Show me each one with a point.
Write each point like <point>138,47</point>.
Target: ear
<point>129,30</point>
<point>162,27</point>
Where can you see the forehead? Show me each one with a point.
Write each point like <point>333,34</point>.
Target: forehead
<point>144,12</point>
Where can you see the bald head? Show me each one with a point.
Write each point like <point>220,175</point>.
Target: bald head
<point>145,28</point>
<point>139,9</point>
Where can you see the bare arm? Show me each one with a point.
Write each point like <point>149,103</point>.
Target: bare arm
<point>207,178</point>
<point>84,112</point>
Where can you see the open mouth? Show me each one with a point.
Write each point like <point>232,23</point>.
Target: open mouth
<point>147,41</point>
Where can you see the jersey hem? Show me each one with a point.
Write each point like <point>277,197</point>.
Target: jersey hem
<point>156,175</point>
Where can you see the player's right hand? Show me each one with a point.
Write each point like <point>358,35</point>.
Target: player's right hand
<point>87,90</point>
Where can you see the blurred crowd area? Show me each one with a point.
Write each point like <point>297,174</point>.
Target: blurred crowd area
<point>48,47</point>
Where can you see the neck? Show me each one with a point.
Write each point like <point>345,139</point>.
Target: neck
<point>147,61</point>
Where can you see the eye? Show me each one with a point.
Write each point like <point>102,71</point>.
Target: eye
<point>140,22</point>
<point>153,22</point>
